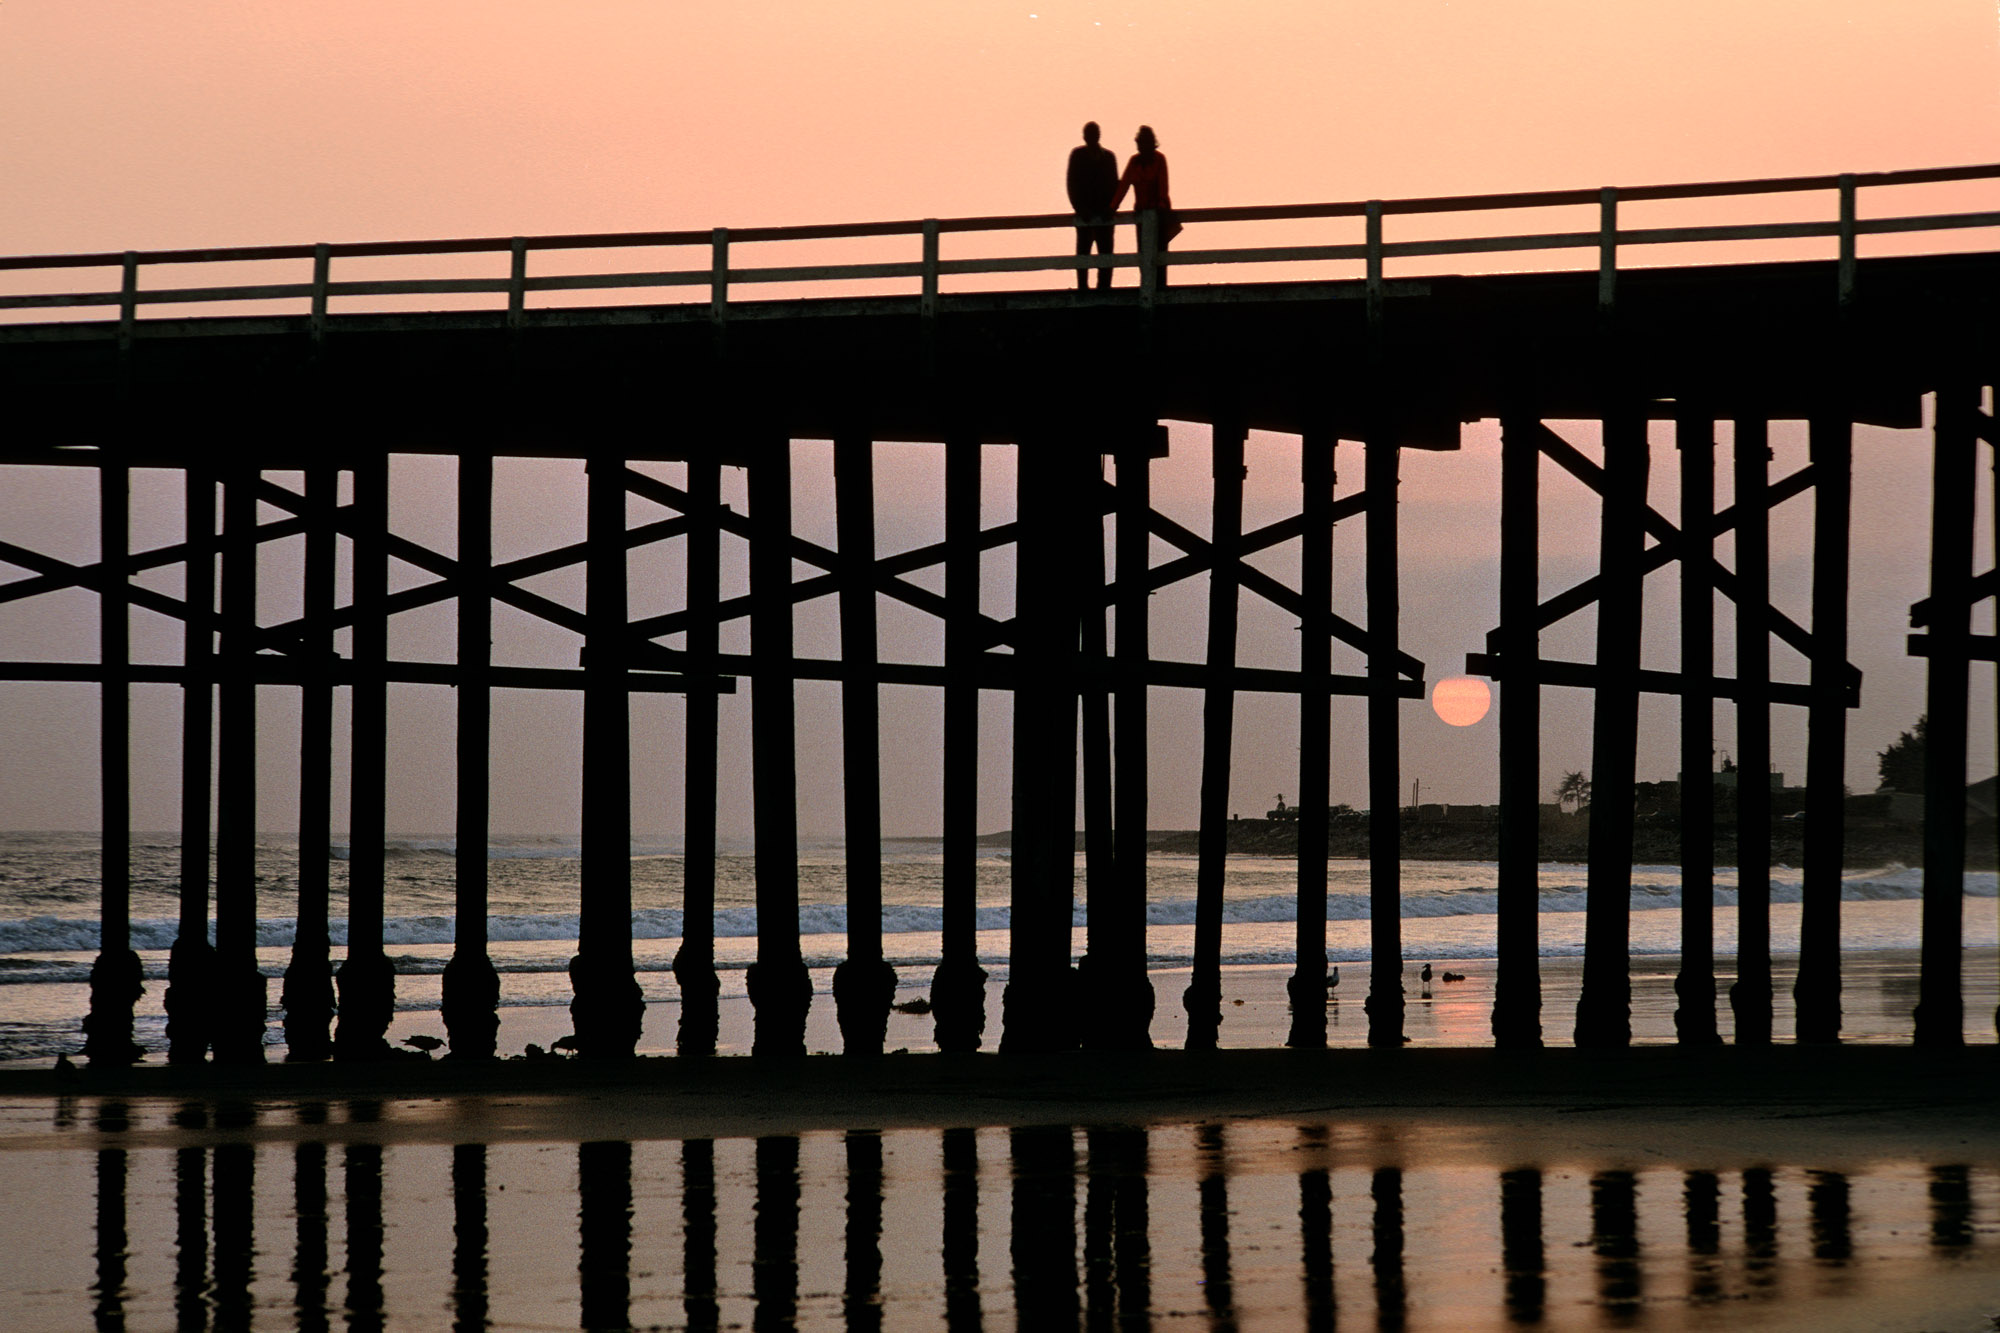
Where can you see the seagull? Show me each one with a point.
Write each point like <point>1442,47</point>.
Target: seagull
<point>423,1042</point>
<point>1333,978</point>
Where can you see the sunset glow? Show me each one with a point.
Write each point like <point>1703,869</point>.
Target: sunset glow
<point>1462,701</point>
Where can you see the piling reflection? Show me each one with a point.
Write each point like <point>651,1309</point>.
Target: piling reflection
<point>1614,1239</point>
<point>1830,1217</point>
<point>1044,1227</point>
<point>961,1230</point>
<point>190,1239</point>
<point>1523,1260</point>
<point>1391,1295</point>
<point>1951,1207</point>
<point>1212,1186</point>
<point>774,1268</point>
<point>108,1291</point>
<point>1212,1208</point>
<point>309,1254</point>
<point>1701,1199</point>
<point>604,1232</point>
<point>1117,1253</point>
<point>469,1238</point>
<point>862,1302</point>
<point>361,1177</point>
<point>1760,1230</point>
<point>1316,1239</point>
<point>698,1302</point>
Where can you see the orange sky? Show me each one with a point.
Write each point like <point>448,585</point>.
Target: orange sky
<point>141,126</point>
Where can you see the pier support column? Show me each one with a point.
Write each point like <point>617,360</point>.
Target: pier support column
<point>241,1000</point>
<point>471,985</point>
<point>307,996</point>
<point>1817,991</point>
<point>1385,782</point>
<point>864,986</point>
<point>116,977</point>
<point>1129,993</point>
<point>780,987</point>
<point>694,962</point>
<point>1203,997</point>
<point>608,1008</point>
<point>1694,986</point>
<point>1604,1010</point>
<point>191,963</point>
<point>1038,1005</point>
<point>1306,987</point>
<point>1940,1012</point>
<point>366,980</point>
<point>1517,991</point>
<point>1750,996</point>
<point>1098,971</point>
<point>958,988</point>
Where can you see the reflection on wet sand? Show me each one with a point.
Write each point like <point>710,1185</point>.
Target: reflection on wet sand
<point>960,1252</point>
<point>469,1238</point>
<point>604,1233</point>
<point>862,1303</point>
<point>1267,1213</point>
<point>1522,1257</point>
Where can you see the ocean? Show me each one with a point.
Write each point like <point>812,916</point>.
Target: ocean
<point>49,932</point>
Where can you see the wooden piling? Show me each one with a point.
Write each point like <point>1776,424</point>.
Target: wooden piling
<point>1103,928</point>
<point>471,984</point>
<point>1132,995</point>
<point>694,962</point>
<point>607,1009</point>
<point>1517,991</point>
<point>1750,996</point>
<point>780,988</point>
<point>191,962</point>
<point>958,987</point>
<point>1817,991</point>
<point>1385,782</point>
<point>1038,1004</point>
<point>240,990</point>
<point>1940,1012</point>
<point>864,986</point>
<point>1694,985</point>
<point>366,980</point>
<point>307,996</point>
<point>116,977</point>
<point>1306,987</point>
<point>1604,1009</point>
<point>1203,996</point>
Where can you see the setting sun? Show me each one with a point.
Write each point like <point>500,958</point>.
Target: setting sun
<point>1461,701</point>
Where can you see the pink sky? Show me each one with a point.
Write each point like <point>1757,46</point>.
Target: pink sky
<point>142,126</point>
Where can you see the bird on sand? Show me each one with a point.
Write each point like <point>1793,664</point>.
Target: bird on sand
<point>1333,978</point>
<point>423,1042</point>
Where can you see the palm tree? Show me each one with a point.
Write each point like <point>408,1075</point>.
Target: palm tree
<point>1573,792</point>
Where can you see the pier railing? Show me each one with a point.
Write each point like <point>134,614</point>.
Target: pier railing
<point>720,278</point>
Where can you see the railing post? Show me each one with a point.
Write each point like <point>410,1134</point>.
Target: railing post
<point>1149,256</point>
<point>718,286</point>
<point>1374,216</point>
<point>128,301</point>
<point>322,262</point>
<point>1847,256</point>
<point>928,306</point>
<point>517,284</point>
<point>1607,247</point>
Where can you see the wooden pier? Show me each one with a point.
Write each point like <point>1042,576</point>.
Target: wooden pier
<point>1357,366</point>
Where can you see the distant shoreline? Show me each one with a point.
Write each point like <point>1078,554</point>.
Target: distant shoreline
<point>1657,845</point>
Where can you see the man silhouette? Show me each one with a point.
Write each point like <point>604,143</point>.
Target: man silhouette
<point>1093,179</point>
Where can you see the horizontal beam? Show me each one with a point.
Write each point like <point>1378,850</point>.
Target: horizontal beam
<point>1583,675</point>
<point>341,671</point>
<point>1981,587</point>
<point>1978,647</point>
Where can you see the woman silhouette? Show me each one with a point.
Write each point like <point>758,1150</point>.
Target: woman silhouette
<point>1146,176</point>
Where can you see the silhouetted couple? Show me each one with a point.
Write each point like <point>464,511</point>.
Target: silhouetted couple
<point>1096,189</point>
